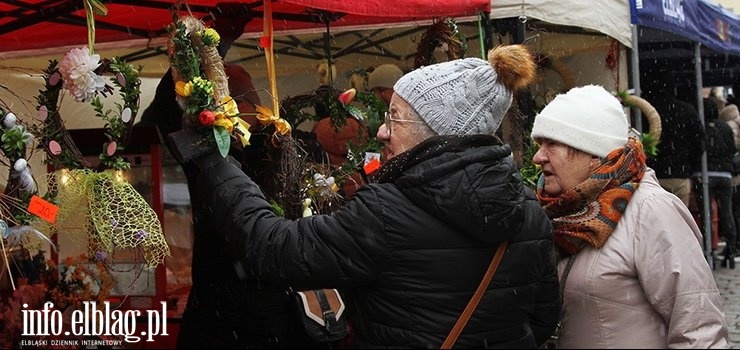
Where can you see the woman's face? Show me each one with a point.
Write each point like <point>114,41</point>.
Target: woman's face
<point>562,166</point>
<point>397,135</point>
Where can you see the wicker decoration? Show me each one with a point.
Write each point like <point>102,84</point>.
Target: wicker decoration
<point>650,139</point>
<point>201,83</point>
<point>442,34</point>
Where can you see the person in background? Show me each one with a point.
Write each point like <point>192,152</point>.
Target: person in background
<point>720,146</point>
<point>681,139</point>
<point>734,97</point>
<point>731,115</point>
<point>381,81</point>
<point>411,248</point>
<point>631,267</point>
<point>224,309</point>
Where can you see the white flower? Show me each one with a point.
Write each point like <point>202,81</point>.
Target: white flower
<point>77,70</point>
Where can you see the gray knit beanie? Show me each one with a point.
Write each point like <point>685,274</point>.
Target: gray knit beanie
<point>468,96</point>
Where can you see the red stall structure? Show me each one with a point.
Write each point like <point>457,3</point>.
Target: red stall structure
<point>145,281</point>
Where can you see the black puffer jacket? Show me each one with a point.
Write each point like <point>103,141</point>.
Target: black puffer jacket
<point>411,250</point>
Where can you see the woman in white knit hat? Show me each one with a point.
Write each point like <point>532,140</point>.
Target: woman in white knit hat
<point>410,249</point>
<point>631,266</point>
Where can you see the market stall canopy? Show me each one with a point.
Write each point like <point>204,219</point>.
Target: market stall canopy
<point>34,25</point>
<point>668,30</point>
<point>700,21</point>
<point>610,17</point>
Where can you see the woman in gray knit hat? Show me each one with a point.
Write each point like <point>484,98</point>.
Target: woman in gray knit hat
<point>410,249</point>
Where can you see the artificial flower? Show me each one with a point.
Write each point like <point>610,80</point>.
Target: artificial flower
<point>265,115</point>
<point>229,106</point>
<point>78,72</point>
<point>206,118</point>
<point>209,36</point>
<point>306,207</point>
<point>183,89</point>
<point>225,123</point>
<point>282,126</point>
<point>346,97</point>
<point>203,84</point>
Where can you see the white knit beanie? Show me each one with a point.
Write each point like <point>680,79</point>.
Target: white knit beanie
<point>384,76</point>
<point>468,96</point>
<point>586,118</point>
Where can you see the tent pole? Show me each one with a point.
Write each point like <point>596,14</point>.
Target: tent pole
<point>327,50</point>
<point>704,177</point>
<point>520,33</point>
<point>485,34</point>
<point>637,122</point>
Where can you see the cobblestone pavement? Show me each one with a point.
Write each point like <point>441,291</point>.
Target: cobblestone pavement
<point>728,282</point>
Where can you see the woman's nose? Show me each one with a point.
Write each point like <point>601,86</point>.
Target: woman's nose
<point>382,133</point>
<point>538,157</point>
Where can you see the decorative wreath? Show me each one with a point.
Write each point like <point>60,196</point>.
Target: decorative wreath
<point>80,73</point>
<point>325,101</point>
<point>114,215</point>
<point>310,185</point>
<point>442,34</point>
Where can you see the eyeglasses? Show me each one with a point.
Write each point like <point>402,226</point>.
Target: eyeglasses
<point>388,120</point>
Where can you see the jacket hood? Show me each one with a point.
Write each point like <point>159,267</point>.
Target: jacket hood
<point>474,186</point>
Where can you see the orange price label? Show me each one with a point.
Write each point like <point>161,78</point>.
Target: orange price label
<point>371,166</point>
<point>43,209</point>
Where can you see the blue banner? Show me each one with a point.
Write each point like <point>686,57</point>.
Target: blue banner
<point>696,20</point>
<point>719,29</point>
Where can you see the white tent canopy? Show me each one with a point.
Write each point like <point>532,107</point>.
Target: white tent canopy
<point>610,17</point>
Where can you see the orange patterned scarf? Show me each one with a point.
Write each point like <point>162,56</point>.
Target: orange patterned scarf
<point>589,212</point>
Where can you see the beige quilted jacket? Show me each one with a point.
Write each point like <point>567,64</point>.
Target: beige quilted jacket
<point>649,286</point>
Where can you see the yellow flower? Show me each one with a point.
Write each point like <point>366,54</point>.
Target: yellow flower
<point>183,89</point>
<point>219,115</point>
<point>225,123</point>
<point>282,126</point>
<point>210,37</point>
<point>229,106</point>
<point>265,115</point>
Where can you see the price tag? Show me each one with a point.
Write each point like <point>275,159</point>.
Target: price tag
<point>43,209</point>
<point>372,162</point>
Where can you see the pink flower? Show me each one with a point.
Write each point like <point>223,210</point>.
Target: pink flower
<point>207,118</point>
<point>347,96</point>
<point>78,72</point>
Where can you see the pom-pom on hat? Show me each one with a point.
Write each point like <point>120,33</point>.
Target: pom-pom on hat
<point>468,96</point>
<point>587,118</point>
<point>384,76</point>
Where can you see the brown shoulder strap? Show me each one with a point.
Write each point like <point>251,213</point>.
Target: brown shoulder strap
<point>473,303</point>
